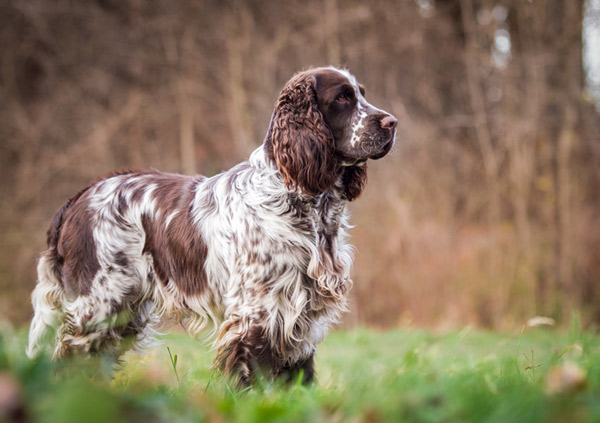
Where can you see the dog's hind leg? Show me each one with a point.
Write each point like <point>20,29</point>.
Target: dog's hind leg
<point>94,326</point>
<point>106,321</point>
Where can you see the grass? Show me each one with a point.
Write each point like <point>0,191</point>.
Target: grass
<point>407,375</point>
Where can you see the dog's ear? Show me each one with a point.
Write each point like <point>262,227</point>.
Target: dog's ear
<point>355,180</point>
<point>299,140</point>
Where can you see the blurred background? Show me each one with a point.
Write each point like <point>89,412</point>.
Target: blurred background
<point>487,212</point>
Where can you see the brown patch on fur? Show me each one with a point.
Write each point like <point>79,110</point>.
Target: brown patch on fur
<point>177,249</point>
<point>330,84</point>
<point>355,180</point>
<point>57,222</point>
<point>72,234</point>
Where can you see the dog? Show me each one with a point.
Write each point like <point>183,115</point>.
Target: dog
<point>258,253</point>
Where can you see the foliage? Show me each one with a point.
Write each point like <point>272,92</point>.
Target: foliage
<point>363,376</point>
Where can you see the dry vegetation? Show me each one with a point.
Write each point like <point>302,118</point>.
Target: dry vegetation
<point>487,211</point>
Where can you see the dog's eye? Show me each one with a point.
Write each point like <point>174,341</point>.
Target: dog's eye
<point>343,98</point>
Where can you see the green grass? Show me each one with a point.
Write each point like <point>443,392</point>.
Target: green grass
<point>364,375</point>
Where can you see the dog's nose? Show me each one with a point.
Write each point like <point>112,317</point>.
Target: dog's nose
<point>389,122</point>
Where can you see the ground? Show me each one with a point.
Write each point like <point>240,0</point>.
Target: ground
<point>364,375</point>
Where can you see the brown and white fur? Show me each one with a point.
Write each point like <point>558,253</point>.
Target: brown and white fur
<point>258,253</point>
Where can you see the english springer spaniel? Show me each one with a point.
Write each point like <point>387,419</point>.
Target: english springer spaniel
<point>258,253</point>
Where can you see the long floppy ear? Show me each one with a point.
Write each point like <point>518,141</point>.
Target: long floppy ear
<point>355,179</point>
<point>299,141</point>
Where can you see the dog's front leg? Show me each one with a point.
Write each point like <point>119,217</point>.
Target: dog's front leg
<point>291,372</point>
<point>243,349</point>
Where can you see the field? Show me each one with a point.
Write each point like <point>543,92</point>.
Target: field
<point>404,375</point>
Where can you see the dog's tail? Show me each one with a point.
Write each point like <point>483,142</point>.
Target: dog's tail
<point>47,297</point>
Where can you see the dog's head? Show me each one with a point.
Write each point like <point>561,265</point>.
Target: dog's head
<point>323,127</point>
